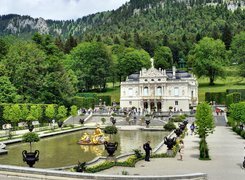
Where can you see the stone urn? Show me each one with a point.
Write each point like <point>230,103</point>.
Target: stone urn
<point>170,142</point>
<point>113,120</point>
<point>148,121</point>
<point>30,157</point>
<point>110,147</point>
<point>81,121</point>
<point>60,123</point>
<point>30,127</point>
<point>178,132</point>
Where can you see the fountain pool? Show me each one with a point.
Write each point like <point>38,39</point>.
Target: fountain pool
<point>63,150</point>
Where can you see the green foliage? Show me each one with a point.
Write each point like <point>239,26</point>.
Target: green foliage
<point>204,120</point>
<point>110,130</point>
<point>204,151</point>
<point>233,98</point>
<point>106,99</point>
<point>163,58</point>
<point>241,91</point>
<point>237,48</point>
<point>73,111</point>
<point>208,58</point>
<point>218,97</point>
<point>103,120</point>
<point>50,111</point>
<point>30,137</point>
<point>169,126</point>
<point>8,93</point>
<point>62,112</point>
<point>237,112</point>
<point>91,63</point>
<point>137,153</point>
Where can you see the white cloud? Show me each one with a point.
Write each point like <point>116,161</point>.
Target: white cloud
<point>57,9</point>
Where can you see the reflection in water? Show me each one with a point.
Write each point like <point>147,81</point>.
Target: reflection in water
<point>63,150</point>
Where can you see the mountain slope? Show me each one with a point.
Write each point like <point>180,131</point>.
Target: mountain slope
<point>137,15</point>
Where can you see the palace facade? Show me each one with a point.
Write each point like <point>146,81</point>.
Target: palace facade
<point>158,90</point>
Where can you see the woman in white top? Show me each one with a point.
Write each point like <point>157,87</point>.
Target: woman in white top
<point>181,149</point>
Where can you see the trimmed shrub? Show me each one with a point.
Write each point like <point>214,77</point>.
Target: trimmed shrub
<point>106,99</point>
<point>241,91</point>
<point>233,98</point>
<point>169,126</point>
<point>218,97</point>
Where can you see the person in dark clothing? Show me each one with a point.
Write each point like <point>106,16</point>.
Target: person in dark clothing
<point>147,149</point>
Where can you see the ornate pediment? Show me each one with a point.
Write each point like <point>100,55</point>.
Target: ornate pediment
<point>151,73</point>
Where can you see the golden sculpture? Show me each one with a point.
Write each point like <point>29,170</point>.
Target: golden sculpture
<point>96,138</point>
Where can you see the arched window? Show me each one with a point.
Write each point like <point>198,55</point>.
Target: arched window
<point>145,91</point>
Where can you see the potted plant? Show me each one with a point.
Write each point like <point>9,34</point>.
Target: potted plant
<point>103,120</point>
<point>147,120</point>
<point>111,147</point>
<point>113,120</point>
<point>170,142</point>
<point>30,157</point>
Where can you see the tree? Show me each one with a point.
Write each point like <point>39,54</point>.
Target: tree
<point>204,120</point>
<point>35,113</point>
<point>237,112</point>
<point>227,36</point>
<point>91,63</point>
<point>208,59</point>
<point>25,65</point>
<point>163,58</point>
<point>3,48</point>
<point>73,112</point>
<point>50,111</point>
<point>8,93</point>
<point>131,61</point>
<point>30,137</point>
<point>62,112</point>
<point>205,126</point>
<point>24,112</point>
<point>238,54</point>
<point>70,43</point>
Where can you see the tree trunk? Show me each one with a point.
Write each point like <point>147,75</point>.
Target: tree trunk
<point>211,81</point>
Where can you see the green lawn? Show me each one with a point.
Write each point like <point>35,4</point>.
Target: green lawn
<point>231,82</point>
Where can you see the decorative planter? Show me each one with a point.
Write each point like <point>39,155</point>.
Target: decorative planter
<point>81,121</point>
<point>147,122</point>
<point>110,147</point>
<point>170,142</point>
<point>113,120</point>
<point>30,157</point>
<point>60,123</point>
<point>30,127</point>
<point>178,132</point>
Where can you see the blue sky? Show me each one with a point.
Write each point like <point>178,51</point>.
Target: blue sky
<point>57,9</point>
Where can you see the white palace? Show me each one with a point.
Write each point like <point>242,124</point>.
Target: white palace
<point>157,90</point>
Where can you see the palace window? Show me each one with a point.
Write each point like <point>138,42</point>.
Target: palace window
<point>130,92</point>
<point>145,91</point>
<point>159,91</point>
<point>176,103</point>
<point>176,91</point>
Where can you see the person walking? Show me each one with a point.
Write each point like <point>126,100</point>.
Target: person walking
<point>192,127</point>
<point>181,149</point>
<point>147,149</point>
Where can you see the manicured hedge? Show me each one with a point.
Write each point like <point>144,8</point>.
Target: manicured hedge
<point>233,98</point>
<point>218,97</point>
<point>82,102</point>
<point>241,91</point>
<point>106,99</point>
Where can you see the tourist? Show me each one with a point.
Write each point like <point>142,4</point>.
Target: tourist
<point>192,127</point>
<point>147,149</point>
<point>181,149</point>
